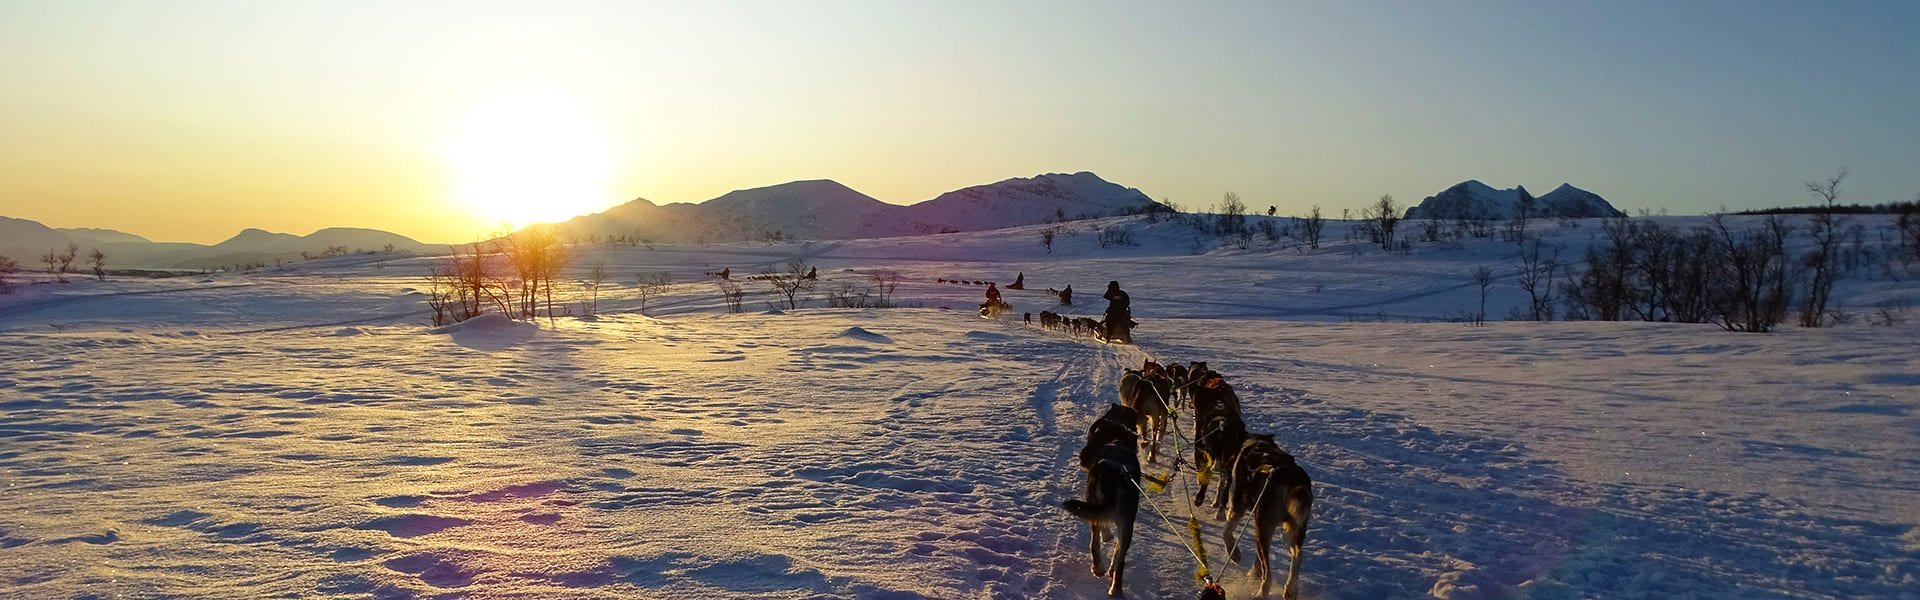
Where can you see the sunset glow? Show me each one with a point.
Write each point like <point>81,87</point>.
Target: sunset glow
<point>529,157</point>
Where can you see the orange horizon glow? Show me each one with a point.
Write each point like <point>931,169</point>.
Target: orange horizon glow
<point>192,120</point>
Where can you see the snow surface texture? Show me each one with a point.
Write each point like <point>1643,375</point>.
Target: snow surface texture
<point>302,433</point>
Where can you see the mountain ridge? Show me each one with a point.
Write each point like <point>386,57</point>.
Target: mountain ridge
<point>26,240</point>
<point>1473,199</point>
<point>827,209</point>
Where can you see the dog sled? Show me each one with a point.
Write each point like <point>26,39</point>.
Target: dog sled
<point>1116,334</point>
<point>992,309</point>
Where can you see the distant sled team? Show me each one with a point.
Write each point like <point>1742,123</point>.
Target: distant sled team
<point>1257,479</point>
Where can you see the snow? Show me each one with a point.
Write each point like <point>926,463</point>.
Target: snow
<point>303,432</point>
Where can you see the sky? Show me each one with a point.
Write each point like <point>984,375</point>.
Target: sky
<point>190,120</point>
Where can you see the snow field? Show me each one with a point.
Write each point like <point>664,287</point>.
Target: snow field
<point>303,433</point>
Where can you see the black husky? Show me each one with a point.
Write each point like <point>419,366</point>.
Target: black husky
<point>1115,426</point>
<point>1113,491</point>
<point>1267,484</point>
<point>1218,432</point>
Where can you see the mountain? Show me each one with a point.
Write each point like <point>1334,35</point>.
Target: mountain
<point>1025,201</point>
<point>96,235</point>
<point>825,209</point>
<point>1472,199</point>
<point>26,241</point>
<point>252,240</point>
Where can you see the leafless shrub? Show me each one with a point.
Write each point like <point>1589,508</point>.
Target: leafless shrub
<point>7,267</point>
<point>97,261</point>
<point>1230,218</point>
<point>652,286</point>
<point>536,256</point>
<point>1312,226</point>
<point>1758,277</point>
<point>1821,261</point>
<point>1382,218</point>
<point>1538,264</point>
<point>789,283</point>
<point>1887,316</point>
<point>1482,276</point>
<point>731,293</point>
<point>464,287</point>
<point>596,277</point>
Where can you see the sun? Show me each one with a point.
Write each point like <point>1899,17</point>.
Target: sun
<point>529,157</point>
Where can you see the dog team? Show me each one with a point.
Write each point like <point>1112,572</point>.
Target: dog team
<point>1256,478</point>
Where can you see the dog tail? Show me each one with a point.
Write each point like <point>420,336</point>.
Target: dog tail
<point>1084,510</point>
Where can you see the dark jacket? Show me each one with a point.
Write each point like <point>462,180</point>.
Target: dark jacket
<point>1117,302</point>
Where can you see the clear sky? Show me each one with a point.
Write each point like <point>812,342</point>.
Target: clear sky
<point>188,120</point>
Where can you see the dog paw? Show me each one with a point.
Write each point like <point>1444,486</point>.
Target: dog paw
<point>1233,554</point>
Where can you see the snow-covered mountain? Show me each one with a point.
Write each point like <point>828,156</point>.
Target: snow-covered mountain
<point>825,209</point>
<point>1473,199</point>
<point>25,241</point>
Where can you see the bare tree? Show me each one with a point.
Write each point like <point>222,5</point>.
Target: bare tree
<point>1757,277</point>
<point>1046,239</point>
<point>596,277</point>
<point>1820,261</point>
<point>731,293</point>
<point>790,283</point>
<point>98,261</point>
<point>1384,217</point>
<point>67,258</point>
<point>7,267</point>
<point>1537,268</point>
<point>884,283</point>
<point>1482,275</point>
<point>1312,226</point>
<point>536,256</point>
<point>1232,217</point>
<point>464,286</point>
<point>1522,211</point>
<point>52,260</point>
<point>652,286</point>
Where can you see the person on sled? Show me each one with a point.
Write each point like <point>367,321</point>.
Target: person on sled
<point>993,305</point>
<point>1119,314</point>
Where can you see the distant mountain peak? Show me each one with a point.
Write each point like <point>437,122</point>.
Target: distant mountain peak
<point>1472,199</point>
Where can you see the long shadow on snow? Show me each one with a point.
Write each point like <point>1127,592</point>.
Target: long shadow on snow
<point>1400,508</point>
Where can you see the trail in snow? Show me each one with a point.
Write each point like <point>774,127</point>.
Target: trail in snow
<point>924,453</point>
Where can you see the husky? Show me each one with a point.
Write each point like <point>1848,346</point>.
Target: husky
<point>1149,392</point>
<point>1113,427</point>
<point>1218,432</point>
<point>1275,491</point>
<point>1113,493</point>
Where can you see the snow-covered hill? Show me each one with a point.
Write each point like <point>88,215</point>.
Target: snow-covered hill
<point>825,210</point>
<point>1472,199</point>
